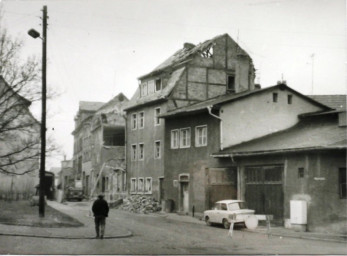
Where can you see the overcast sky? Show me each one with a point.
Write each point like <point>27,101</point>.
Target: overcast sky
<point>98,48</point>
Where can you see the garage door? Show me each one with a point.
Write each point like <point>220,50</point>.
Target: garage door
<point>264,189</point>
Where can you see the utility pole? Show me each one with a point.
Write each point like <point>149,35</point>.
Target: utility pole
<point>43,115</point>
<point>34,34</point>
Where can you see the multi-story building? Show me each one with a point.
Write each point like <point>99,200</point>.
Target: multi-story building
<point>19,145</point>
<point>193,74</point>
<point>99,147</point>
<point>81,133</point>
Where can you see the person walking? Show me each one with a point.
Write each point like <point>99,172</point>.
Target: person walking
<point>100,210</point>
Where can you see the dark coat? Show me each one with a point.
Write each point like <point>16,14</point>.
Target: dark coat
<point>100,208</point>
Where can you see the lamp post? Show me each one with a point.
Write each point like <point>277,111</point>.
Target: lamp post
<point>33,33</point>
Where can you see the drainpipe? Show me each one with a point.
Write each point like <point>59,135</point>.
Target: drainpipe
<point>209,108</point>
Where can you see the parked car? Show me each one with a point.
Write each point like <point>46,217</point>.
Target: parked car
<point>227,211</point>
<point>74,194</point>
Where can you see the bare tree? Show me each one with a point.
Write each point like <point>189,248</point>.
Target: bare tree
<point>19,130</point>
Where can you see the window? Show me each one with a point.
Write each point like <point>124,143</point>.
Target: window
<point>157,150</point>
<point>133,152</point>
<point>148,185</point>
<point>133,185</point>
<point>224,207</point>
<point>140,185</point>
<point>157,84</point>
<point>301,172</point>
<point>133,121</point>
<point>231,83</point>
<point>144,89</point>
<point>141,151</point>
<point>275,97</point>
<point>342,183</point>
<point>141,120</point>
<point>174,139</point>
<point>156,116</point>
<point>201,136</point>
<point>290,99</point>
<point>185,138</point>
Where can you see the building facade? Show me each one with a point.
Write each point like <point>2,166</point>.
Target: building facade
<point>193,74</point>
<point>19,145</point>
<point>99,148</point>
<point>194,179</point>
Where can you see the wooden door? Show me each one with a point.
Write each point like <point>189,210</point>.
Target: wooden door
<point>264,190</point>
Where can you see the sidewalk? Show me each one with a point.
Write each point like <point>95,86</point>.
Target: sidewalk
<point>273,231</point>
<point>85,232</point>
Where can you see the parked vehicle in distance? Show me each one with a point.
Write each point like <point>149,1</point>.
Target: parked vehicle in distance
<point>227,211</point>
<point>74,194</point>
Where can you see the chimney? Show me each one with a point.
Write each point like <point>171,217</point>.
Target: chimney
<point>188,46</point>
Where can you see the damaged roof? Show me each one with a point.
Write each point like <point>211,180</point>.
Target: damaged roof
<point>161,95</point>
<point>313,133</point>
<point>183,55</point>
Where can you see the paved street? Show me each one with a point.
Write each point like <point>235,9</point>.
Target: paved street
<point>161,234</point>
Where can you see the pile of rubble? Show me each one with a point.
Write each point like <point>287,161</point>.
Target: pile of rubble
<point>140,204</point>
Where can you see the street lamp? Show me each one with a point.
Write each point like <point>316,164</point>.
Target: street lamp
<point>33,33</point>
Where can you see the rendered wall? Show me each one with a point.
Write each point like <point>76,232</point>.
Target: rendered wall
<point>258,115</point>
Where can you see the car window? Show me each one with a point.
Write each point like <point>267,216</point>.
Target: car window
<point>233,206</point>
<point>224,207</point>
<point>216,206</point>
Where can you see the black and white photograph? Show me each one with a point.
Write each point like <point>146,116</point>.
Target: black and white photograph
<point>173,127</point>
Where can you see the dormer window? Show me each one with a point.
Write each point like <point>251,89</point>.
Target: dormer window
<point>157,84</point>
<point>231,83</point>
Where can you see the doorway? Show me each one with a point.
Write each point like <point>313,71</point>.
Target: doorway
<point>184,207</point>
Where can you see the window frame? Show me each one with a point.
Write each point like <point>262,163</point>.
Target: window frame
<point>133,188</point>
<point>141,157</point>
<point>290,99</point>
<point>157,156</point>
<point>141,121</point>
<point>133,121</point>
<point>145,185</point>
<point>133,152</point>
<point>155,84</point>
<point>139,189</point>
<point>157,121</point>
<point>177,131</point>
<point>342,195</point>
<point>274,97</point>
<point>234,84</point>
<point>197,144</point>
<point>182,137</point>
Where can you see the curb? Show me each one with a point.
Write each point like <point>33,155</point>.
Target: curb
<point>298,236</point>
<point>129,234</point>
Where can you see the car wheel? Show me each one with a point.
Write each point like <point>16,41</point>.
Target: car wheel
<point>207,221</point>
<point>226,224</point>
